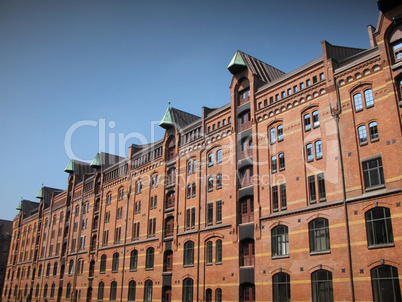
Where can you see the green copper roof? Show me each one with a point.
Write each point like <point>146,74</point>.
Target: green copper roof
<point>40,193</point>
<point>167,119</point>
<point>19,207</point>
<point>70,167</point>
<point>236,61</point>
<point>96,161</point>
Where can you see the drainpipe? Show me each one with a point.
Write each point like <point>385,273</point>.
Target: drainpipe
<point>337,117</point>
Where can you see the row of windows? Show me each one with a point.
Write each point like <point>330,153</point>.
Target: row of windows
<point>218,158</point>
<point>373,131</point>
<point>218,182</point>
<point>219,125</point>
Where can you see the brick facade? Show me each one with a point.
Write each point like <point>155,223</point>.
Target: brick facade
<point>291,190</point>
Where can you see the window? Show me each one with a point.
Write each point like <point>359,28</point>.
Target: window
<point>193,189</point>
<point>301,86</point>
<point>289,91</point>
<point>318,150</point>
<point>154,181</point>
<point>210,159</point>
<point>247,252</point>
<point>70,268</point>
<point>107,217</point>
<point>379,227</point>
<point>189,167</point>
<point>309,152</point>
<point>218,181</point>
<point>52,291</point>
<point>385,284</point>
<point>210,214</point>
<point>44,291</point>
<point>68,291</point>
<point>169,226</point>
<point>188,191</point>
<point>171,196</point>
<point>280,133</point>
<point>55,269</point>
<point>283,94</point>
<point>357,98</point>
<point>187,290</point>
<point>275,199</point>
<point>47,271</point>
<point>219,156</point>
<point>108,200</point>
<point>321,286</point>
<point>322,77</point>
<point>319,235</point>
<point>115,263</point>
<point>281,161</point>
<point>373,173</point>
<point>210,184</point>
<point>218,211</point>
<point>373,131</point>
<point>308,83</point>
<point>148,291</point>
<point>190,218</point>
<point>120,213</point>
<point>149,261</point>
<point>188,253</point>
<point>208,295</point>
<point>280,241</point>
<point>247,292</point>
<point>218,251</point>
<point>295,89</point>
<point>209,253</point>
<point>194,166</point>
<point>273,164</point>
<point>121,194</point>
<point>105,238</point>
<point>131,290</point>
<point>272,135</point>
<point>117,235</point>
<point>362,135</point>
<point>152,227</point>
<point>168,261</point>
<point>102,267</point>
<point>281,287</point>
<point>247,209</point>
<point>321,186</point>
<point>316,119</point>
<point>283,196</point>
<point>113,291</point>
<point>368,97</point>
<point>133,260</point>
<point>307,122</point>
<point>136,230</point>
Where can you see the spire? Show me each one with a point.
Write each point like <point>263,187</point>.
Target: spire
<point>236,63</point>
<point>19,206</point>
<point>96,161</point>
<point>70,167</point>
<point>40,193</point>
<point>167,120</point>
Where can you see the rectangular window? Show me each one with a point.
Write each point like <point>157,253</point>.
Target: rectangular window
<point>283,94</point>
<point>277,97</point>
<point>289,91</point>
<point>311,188</point>
<point>192,218</point>
<point>283,196</point>
<point>322,77</point>
<point>295,89</point>
<point>368,96</point>
<point>272,133</point>
<point>281,161</point>
<point>188,219</point>
<point>308,83</point>
<point>210,213</point>
<point>280,133</point>
<point>151,228</point>
<point>275,204</point>
<point>188,191</point>
<point>321,186</point>
<point>373,173</point>
<point>117,235</point>
<point>271,99</point>
<point>273,164</point>
<point>218,181</point>
<point>136,230</point>
<point>314,79</point>
<point>210,184</point>
<point>218,211</point>
<point>307,122</point>
<point>301,86</point>
<point>105,238</point>
<point>193,188</point>
<point>194,166</point>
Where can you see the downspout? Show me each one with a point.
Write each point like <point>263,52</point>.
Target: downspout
<point>199,224</point>
<point>336,116</point>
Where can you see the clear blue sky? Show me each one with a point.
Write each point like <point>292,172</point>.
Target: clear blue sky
<point>118,62</point>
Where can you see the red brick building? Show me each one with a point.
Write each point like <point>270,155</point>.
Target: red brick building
<point>292,191</point>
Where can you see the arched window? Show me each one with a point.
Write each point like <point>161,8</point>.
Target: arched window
<point>188,253</point>
<point>115,262</point>
<point>36,291</point>
<point>40,270</point>
<point>109,198</point>
<point>68,291</point>
<point>280,241</point>
<point>309,152</point>
<point>55,269</point>
<point>149,261</point>
<point>395,42</point>
<point>319,235</point>
<point>247,292</point>
<point>208,295</point>
<point>131,290</point>
<point>321,286</point>
<point>318,149</point>
<point>133,260</point>
<point>113,291</point>
<point>218,295</point>
<point>357,98</point>
<point>188,290</point>
<point>171,148</point>
<point>71,267</point>
<point>362,134</point>
<point>44,291</point>
<point>218,251</point>
<point>373,131</point>
<point>48,270</point>
<point>101,288</point>
<point>379,226</point>
<point>385,284</point>
<point>52,291</point>
<point>102,267</point>
<point>148,291</point>
<point>281,287</point>
<point>26,290</point>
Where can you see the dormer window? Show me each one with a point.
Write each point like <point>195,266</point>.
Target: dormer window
<point>395,42</point>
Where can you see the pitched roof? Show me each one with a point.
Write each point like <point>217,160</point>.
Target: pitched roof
<point>177,118</point>
<point>263,71</point>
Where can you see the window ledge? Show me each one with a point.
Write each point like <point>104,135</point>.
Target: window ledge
<point>374,188</point>
<point>281,169</point>
<point>358,110</point>
<point>218,263</point>
<point>380,246</point>
<point>310,160</point>
<point>273,172</point>
<point>280,257</point>
<point>307,130</point>
<point>280,140</point>
<point>320,252</point>
<point>375,140</point>
<point>322,199</point>
<point>188,265</point>
<point>369,106</point>
<point>363,143</point>
<point>149,269</point>
<point>318,158</point>
<point>133,270</point>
